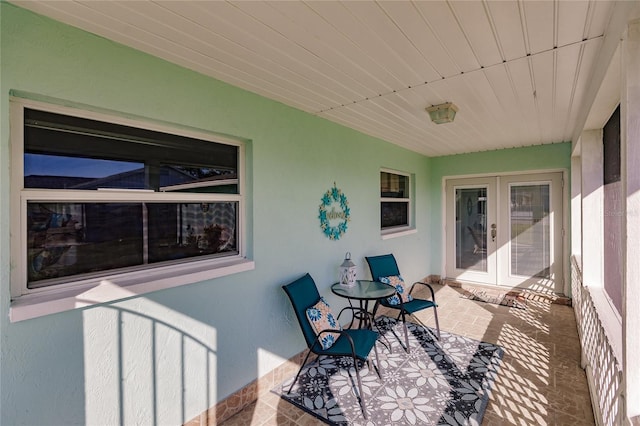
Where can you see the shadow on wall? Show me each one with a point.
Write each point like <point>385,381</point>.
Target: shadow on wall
<point>140,369</point>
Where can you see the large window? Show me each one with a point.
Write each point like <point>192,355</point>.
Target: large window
<point>96,196</point>
<point>395,201</point>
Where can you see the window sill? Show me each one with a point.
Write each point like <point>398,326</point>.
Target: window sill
<point>386,235</point>
<point>110,290</point>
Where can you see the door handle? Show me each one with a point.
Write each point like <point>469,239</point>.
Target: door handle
<point>493,232</point>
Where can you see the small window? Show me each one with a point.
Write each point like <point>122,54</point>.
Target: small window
<point>99,198</point>
<point>395,201</point>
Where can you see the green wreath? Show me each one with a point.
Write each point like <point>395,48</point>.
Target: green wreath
<point>334,195</point>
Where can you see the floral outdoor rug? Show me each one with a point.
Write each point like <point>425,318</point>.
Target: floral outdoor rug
<point>445,382</point>
<point>512,299</point>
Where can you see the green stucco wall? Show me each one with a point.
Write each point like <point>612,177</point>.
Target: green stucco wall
<point>516,160</point>
<point>167,356</point>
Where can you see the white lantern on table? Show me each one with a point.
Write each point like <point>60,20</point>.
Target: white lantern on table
<point>348,272</point>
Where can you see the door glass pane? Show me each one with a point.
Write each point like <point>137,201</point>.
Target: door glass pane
<point>530,230</point>
<point>471,229</point>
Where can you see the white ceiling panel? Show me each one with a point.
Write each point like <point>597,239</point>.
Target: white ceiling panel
<point>237,51</point>
<point>441,19</point>
<point>261,40</point>
<point>544,71</point>
<point>322,39</point>
<point>586,60</point>
<point>521,74</point>
<point>477,28</point>
<point>388,45</point>
<point>422,37</point>
<point>601,112</point>
<point>600,13</point>
<point>486,106</point>
<point>541,25</point>
<point>507,21</point>
<point>519,71</point>
<point>575,18</point>
<point>512,119</point>
<point>566,65</point>
<point>176,30</point>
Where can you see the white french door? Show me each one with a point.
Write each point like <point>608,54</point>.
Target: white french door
<point>506,231</point>
<point>470,212</point>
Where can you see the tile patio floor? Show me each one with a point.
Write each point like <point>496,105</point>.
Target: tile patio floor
<point>540,381</point>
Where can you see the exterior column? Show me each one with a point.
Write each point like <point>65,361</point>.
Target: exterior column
<point>576,207</point>
<point>630,141</point>
<point>592,207</point>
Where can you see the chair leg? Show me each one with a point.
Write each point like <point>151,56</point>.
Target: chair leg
<point>362,404</point>
<point>435,314</point>
<point>375,349</point>
<point>375,309</point>
<point>406,332</point>
<point>300,370</point>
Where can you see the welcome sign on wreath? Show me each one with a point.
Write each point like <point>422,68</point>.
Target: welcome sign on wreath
<point>334,213</point>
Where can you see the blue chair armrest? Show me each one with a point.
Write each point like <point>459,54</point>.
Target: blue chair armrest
<point>342,333</point>
<point>433,295</point>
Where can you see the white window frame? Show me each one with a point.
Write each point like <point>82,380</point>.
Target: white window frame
<point>29,303</point>
<point>397,231</point>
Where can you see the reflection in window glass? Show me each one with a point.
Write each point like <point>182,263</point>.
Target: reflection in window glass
<point>394,185</point>
<point>530,231</point>
<point>65,239</point>
<point>65,172</point>
<point>471,229</point>
<point>395,201</point>
<point>65,152</point>
<point>86,234</point>
<point>50,171</point>
<point>394,214</point>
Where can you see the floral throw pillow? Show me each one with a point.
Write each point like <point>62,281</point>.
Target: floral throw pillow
<point>401,289</point>
<point>321,318</point>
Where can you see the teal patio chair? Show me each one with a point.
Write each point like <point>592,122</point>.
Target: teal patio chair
<point>385,269</point>
<point>353,343</point>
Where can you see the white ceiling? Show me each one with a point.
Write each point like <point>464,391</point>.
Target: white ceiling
<point>520,72</point>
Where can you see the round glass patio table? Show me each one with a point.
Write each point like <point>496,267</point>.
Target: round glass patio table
<point>364,291</point>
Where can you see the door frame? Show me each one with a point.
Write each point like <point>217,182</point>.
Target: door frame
<point>566,214</point>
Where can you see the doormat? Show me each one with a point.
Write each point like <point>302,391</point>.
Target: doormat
<point>444,381</point>
<point>512,299</point>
